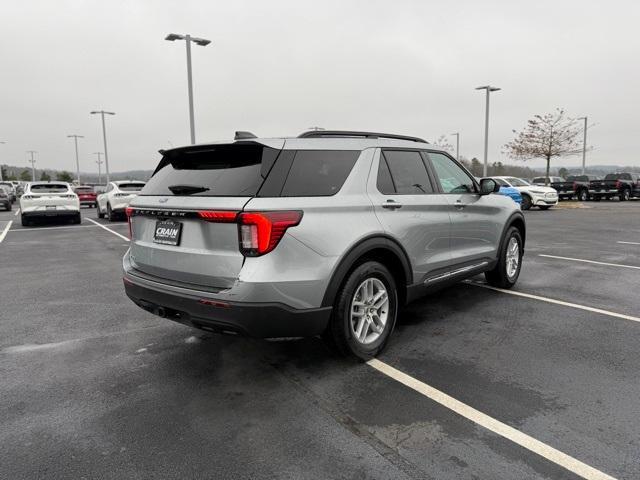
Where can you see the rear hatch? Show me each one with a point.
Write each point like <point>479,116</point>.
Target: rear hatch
<point>173,235</point>
<point>49,197</point>
<point>85,194</point>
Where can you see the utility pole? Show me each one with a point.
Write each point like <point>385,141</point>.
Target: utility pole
<point>104,138</point>
<point>457,134</point>
<point>584,144</point>
<point>99,162</point>
<point>203,42</point>
<point>75,138</point>
<point>1,143</point>
<point>33,165</point>
<point>488,89</point>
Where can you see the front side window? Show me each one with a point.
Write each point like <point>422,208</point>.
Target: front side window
<point>518,182</point>
<point>453,179</point>
<point>407,171</point>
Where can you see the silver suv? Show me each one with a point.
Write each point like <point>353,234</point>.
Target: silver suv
<point>330,232</point>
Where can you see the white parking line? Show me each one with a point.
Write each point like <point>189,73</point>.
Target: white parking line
<point>6,229</point>
<point>109,230</point>
<point>50,228</point>
<point>630,243</point>
<point>490,423</point>
<point>17,212</point>
<point>557,302</point>
<point>590,261</point>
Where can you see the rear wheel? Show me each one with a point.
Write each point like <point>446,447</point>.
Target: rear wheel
<point>506,272</point>
<point>110,215</point>
<point>25,222</point>
<point>625,195</point>
<point>77,219</point>
<point>365,311</point>
<point>99,211</point>
<point>9,207</point>
<point>583,195</point>
<point>526,202</point>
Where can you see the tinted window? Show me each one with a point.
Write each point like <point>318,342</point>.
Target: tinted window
<point>83,190</point>
<point>49,188</point>
<point>452,177</point>
<point>385,183</point>
<point>318,172</point>
<point>234,170</point>
<point>611,176</point>
<point>408,172</point>
<point>131,187</point>
<point>501,182</point>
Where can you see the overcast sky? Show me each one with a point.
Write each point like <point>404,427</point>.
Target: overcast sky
<point>278,67</point>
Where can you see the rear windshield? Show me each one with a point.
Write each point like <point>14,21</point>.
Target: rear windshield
<point>235,170</point>
<point>130,187</point>
<point>49,188</point>
<point>8,185</point>
<point>617,176</point>
<point>83,190</point>
<point>240,170</point>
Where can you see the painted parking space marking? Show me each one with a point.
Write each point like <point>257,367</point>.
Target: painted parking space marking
<point>556,302</point>
<point>5,230</point>
<point>590,261</point>
<point>17,212</point>
<point>629,243</point>
<point>108,229</point>
<point>50,228</point>
<point>496,426</point>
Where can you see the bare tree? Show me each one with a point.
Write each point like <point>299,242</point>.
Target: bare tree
<point>443,144</point>
<point>546,136</point>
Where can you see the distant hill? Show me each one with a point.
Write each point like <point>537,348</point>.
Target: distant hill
<point>10,172</point>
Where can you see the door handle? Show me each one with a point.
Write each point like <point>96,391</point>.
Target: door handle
<point>392,205</point>
<point>459,205</point>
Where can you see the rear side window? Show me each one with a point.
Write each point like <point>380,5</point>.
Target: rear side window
<point>318,172</point>
<point>49,188</point>
<point>229,170</point>
<point>407,171</point>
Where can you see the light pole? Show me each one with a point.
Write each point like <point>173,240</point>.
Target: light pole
<point>488,89</point>
<point>75,138</point>
<point>584,143</point>
<point>99,162</point>
<point>1,143</point>
<point>457,134</point>
<point>203,43</point>
<point>104,138</point>
<point>32,161</point>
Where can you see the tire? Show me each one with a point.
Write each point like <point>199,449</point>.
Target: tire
<point>77,219</point>
<point>9,207</point>
<point>99,211</point>
<point>25,222</point>
<point>500,276</point>
<point>582,195</point>
<point>110,215</point>
<point>625,195</point>
<point>526,202</point>
<point>544,207</point>
<point>344,326</point>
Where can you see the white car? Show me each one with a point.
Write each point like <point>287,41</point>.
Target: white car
<point>116,197</point>
<point>532,195</point>
<point>49,200</point>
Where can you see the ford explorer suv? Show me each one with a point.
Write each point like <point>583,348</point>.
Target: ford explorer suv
<point>328,233</point>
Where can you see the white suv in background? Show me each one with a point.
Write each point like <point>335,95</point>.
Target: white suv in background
<point>49,200</point>
<point>116,198</point>
<point>532,195</point>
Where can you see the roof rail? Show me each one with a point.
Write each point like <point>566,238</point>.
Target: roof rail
<point>350,134</point>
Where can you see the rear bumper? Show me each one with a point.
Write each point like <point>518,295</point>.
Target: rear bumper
<point>201,310</point>
<point>50,213</point>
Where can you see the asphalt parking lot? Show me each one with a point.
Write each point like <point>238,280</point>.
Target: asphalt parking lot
<point>475,384</point>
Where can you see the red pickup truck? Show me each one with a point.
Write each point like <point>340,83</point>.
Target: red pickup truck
<point>86,195</point>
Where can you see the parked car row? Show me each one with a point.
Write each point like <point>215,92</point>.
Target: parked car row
<point>42,200</point>
<point>621,185</point>
<point>531,195</point>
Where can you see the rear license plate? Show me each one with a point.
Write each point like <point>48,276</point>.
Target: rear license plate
<point>167,232</point>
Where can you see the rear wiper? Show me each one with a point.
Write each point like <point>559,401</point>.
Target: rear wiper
<point>187,189</point>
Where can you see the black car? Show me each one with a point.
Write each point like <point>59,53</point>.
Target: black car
<point>5,198</point>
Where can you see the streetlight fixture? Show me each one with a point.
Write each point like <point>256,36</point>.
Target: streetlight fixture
<point>75,138</point>
<point>1,143</point>
<point>584,143</point>
<point>457,134</point>
<point>99,162</point>
<point>104,138</point>
<point>488,89</point>
<point>203,42</point>
<point>32,161</point>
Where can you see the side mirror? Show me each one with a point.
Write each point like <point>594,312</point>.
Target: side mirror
<point>488,185</point>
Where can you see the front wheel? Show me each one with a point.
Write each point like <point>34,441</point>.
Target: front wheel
<point>625,195</point>
<point>544,207</point>
<point>583,195</point>
<point>110,215</point>
<point>365,311</point>
<point>505,274</point>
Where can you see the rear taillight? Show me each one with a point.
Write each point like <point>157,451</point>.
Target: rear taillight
<point>260,232</point>
<point>218,216</point>
<point>618,183</point>
<point>575,186</point>
<point>129,211</point>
